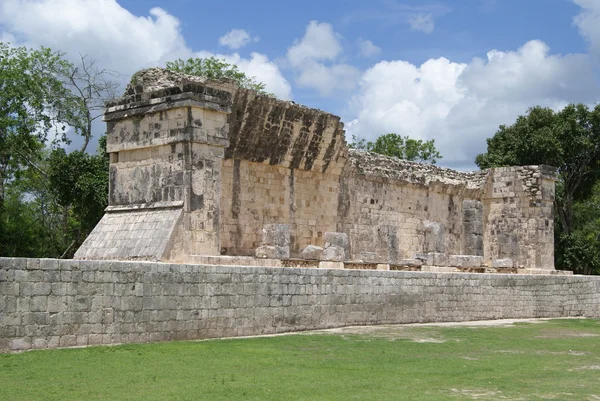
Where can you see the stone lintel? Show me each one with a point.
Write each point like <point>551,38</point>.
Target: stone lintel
<point>128,109</point>
<point>144,206</point>
<point>165,103</point>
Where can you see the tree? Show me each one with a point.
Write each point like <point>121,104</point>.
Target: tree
<point>214,68</point>
<point>79,181</point>
<point>92,87</point>
<point>33,102</point>
<point>569,140</point>
<point>406,148</point>
<point>49,200</point>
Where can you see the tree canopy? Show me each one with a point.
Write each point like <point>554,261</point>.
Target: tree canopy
<point>569,140</point>
<point>214,68</point>
<point>405,148</point>
<point>48,198</point>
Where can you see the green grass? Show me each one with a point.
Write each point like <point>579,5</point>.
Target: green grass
<point>557,359</point>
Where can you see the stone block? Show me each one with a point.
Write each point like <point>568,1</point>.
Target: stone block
<point>383,266</point>
<point>434,237</point>
<point>433,258</point>
<point>312,252</point>
<point>337,239</point>
<point>465,261</point>
<point>410,262</point>
<point>334,254</point>
<point>20,344</point>
<point>438,269</point>
<point>276,235</point>
<point>368,257</point>
<point>273,252</point>
<point>331,265</point>
<point>503,263</point>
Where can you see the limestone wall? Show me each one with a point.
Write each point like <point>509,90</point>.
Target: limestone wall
<point>50,303</point>
<point>233,161</point>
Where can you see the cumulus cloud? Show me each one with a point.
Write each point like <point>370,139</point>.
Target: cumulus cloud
<point>588,22</point>
<point>366,48</point>
<point>118,39</point>
<point>236,39</point>
<point>260,67</point>
<point>460,105</point>
<point>314,60</point>
<point>422,22</point>
<point>100,28</point>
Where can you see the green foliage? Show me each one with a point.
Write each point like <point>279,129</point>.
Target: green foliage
<point>406,148</point>
<point>579,250</point>
<point>33,102</point>
<point>80,183</point>
<point>49,200</point>
<point>569,140</point>
<point>214,68</point>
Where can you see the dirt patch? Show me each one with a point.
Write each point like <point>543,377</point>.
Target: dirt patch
<point>481,394</point>
<point>592,367</point>
<point>390,332</point>
<point>567,334</point>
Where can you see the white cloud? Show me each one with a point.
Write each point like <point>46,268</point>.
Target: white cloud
<point>588,22</point>
<point>422,22</point>
<point>314,59</point>
<point>367,48</point>
<point>100,28</point>
<point>236,38</point>
<point>116,38</point>
<point>320,42</point>
<point>260,67</point>
<point>460,105</point>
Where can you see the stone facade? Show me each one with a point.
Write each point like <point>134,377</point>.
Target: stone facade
<point>47,303</point>
<point>234,162</point>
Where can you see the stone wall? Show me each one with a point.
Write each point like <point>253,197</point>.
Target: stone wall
<point>46,303</point>
<point>226,162</point>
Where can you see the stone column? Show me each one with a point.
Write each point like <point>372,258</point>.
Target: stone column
<point>166,147</point>
<point>472,220</point>
<point>519,216</point>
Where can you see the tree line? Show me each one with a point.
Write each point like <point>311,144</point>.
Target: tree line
<point>51,198</point>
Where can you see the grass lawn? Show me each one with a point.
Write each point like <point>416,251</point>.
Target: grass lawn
<point>558,359</point>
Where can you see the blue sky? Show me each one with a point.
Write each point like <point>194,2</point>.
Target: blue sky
<point>448,70</point>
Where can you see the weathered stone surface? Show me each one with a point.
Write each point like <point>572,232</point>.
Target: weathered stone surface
<point>137,233</point>
<point>145,301</point>
<point>435,239</point>
<point>503,263</point>
<point>368,257</point>
<point>312,252</point>
<point>336,247</point>
<point>276,235</point>
<point>331,265</point>
<point>273,252</point>
<point>465,261</point>
<point>334,253</point>
<point>410,262</point>
<point>238,160</point>
<point>336,239</point>
<point>433,258</point>
<point>472,221</point>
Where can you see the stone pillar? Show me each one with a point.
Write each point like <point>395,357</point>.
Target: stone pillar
<point>435,238</point>
<point>519,216</point>
<point>472,219</point>
<point>166,147</point>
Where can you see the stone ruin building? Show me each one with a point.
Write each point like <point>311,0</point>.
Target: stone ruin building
<point>206,172</point>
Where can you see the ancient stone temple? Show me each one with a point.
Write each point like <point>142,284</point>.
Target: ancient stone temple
<point>202,169</point>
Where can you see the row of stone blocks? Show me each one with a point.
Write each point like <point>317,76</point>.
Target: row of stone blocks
<point>276,245</point>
